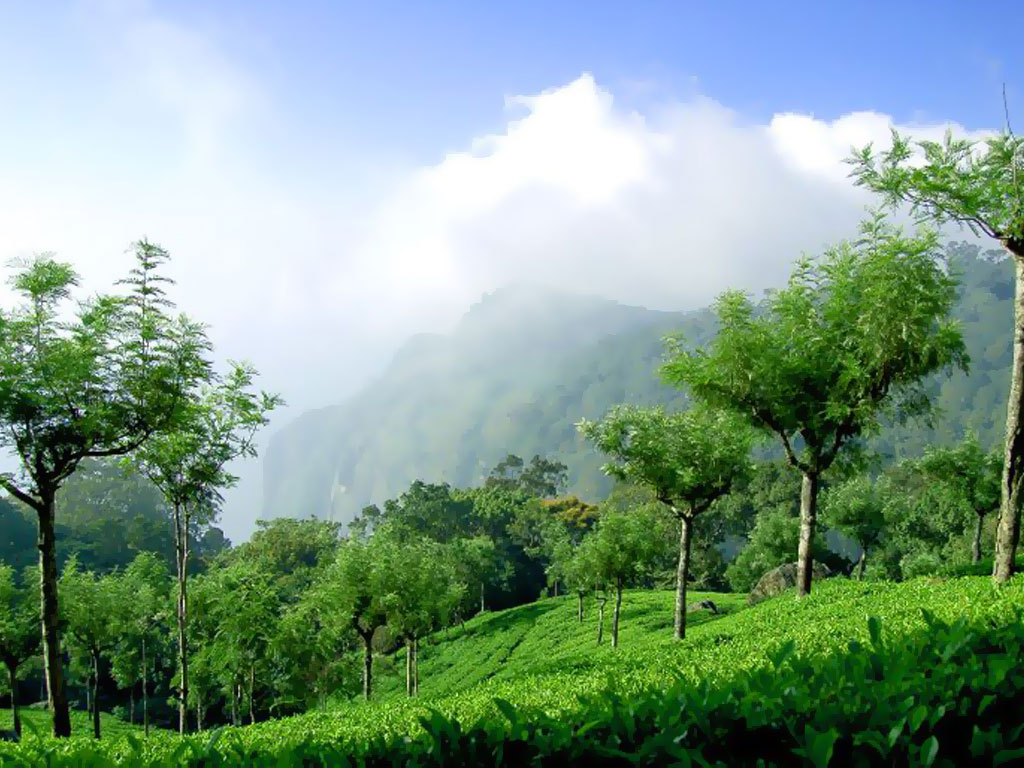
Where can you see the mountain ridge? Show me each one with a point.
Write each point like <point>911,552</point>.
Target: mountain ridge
<point>524,364</point>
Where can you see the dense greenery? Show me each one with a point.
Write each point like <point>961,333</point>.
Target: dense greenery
<point>750,669</point>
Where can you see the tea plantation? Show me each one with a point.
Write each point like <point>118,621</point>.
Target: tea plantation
<point>933,678</point>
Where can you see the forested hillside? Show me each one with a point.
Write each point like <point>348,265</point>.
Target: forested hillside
<point>524,365</point>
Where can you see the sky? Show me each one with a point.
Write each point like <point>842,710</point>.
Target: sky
<point>332,177</point>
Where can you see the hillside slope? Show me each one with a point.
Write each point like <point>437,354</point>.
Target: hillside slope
<point>525,365</point>
<point>548,663</point>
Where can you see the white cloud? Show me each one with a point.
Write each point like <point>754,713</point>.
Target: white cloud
<point>315,280</point>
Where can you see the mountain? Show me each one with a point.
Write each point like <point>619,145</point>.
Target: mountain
<point>525,364</point>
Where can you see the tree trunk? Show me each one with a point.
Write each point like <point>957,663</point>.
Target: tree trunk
<point>556,588</point>
<point>408,667</point>
<point>234,704</point>
<point>579,607</point>
<point>12,679</point>
<point>861,563</point>
<point>600,618</point>
<point>131,704</point>
<point>682,575</point>
<point>1008,528</point>
<point>367,665</point>
<point>976,544</point>
<point>199,713</point>
<point>181,552</point>
<point>416,666</point>
<point>252,692</point>
<point>481,597</point>
<point>616,613</point>
<point>52,664</point>
<point>808,520</point>
<point>96,694</point>
<point>145,690</point>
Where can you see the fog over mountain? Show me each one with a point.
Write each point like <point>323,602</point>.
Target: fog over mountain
<point>316,260</point>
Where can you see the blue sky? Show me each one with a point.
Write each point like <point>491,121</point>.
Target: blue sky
<point>332,177</point>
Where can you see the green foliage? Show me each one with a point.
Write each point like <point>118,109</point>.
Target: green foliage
<point>982,187</point>
<point>688,459</point>
<point>854,333</point>
<point>934,679</point>
<point>856,508</point>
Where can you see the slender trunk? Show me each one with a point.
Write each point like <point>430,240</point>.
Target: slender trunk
<point>199,713</point>
<point>131,704</point>
<point>234,704</point>
<point>145,690</point>
<point>600,618</point>
<point>252,691</point>
<point>367,665</point>
<point>408,667</point>
<point>976,544</point>
<point>181,518</point>
<point>808,520</point>
<point>96,694</point>
<point>481,597</point>
<point>556,587</point>
<point>579,607</point>
<point>12,679</point>
<point>416,666</point>
<point>1008,527</point>
<point>616,613</point>
<point>682,574</point>
<point>861,563</point>
<point>56,695</point>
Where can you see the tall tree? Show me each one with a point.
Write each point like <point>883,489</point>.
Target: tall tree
<point>982,188</point>
<point>99,384</point>
<point>189,464</point>
<point>971,472</point>
<point>19,632</point>
<point>93,612</point>
<point>853,334</point>
<point>689,460</point>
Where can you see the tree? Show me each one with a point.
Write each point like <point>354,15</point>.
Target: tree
<point>246,606</point>
<point>623,546</point>
<point>689,460</point>
<point>982,189</point>
<point>97,385</point>
<point>144,588</point>
<point>856,508</point>
<point>971,472</point>
<point>356,587</point>
<point>422,596</point>
<point>852,335</point>
<point>542,478</point>
<point>19,632</point>
<point>188,463</point>
<point>92,608</point>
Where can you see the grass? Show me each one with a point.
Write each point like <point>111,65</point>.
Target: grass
<point>542,661</point>
<point>39,721</point>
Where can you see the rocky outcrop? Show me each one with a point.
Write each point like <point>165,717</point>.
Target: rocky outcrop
<point>778,580</point>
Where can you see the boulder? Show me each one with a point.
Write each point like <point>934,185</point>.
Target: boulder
<point>778,580</point>
<point>703,605</point>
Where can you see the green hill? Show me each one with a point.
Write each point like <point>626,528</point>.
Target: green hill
<point>541,661</point>
<point>524,365</point>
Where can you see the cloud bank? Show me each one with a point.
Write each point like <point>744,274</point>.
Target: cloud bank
<point>316,279</point>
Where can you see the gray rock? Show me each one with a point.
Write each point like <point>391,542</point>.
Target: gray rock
<point>703,605</point>
<point>778,580</point>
